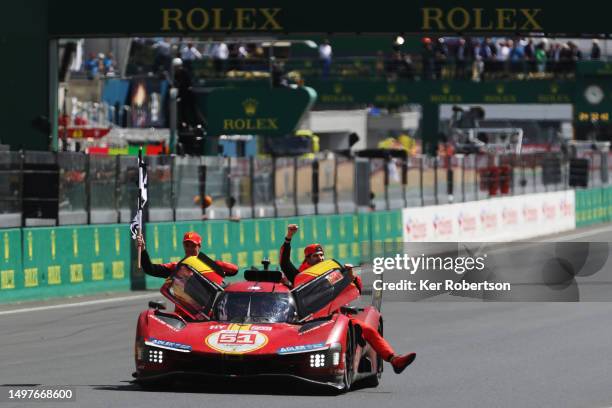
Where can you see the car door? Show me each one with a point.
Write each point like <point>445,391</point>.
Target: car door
<point>191,292</point>
<point>326,293</point>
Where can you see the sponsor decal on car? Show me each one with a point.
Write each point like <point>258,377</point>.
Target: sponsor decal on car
<point>334,277</point>
<point>164,323</point>
<point>235,326</point>
<point>261,328</point>
<point>301,348</point>
<point>316,327</point>
<point>236,341</point>
<point>170,345</point>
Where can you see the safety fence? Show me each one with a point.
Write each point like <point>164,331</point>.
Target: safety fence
<point>52,189</point>
<point>41,263</point>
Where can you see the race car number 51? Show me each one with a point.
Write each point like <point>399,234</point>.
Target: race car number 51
<point>237,338</point>
<point>236,341</point>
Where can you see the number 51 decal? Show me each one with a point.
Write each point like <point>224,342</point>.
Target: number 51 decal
<point>237,338</point>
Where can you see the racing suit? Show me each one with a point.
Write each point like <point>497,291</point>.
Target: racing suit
<point>291,272</point>
<point>165,270</point>
<point>286,265</point>
<point>369,333</point>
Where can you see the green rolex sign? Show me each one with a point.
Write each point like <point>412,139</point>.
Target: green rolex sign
<point>257,111</point>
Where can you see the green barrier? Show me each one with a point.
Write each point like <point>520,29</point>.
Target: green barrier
<point>42,263</point>
<point>11,262</point>
<point>64,261</point>
<point>592,206</point>
<point>607,203</point>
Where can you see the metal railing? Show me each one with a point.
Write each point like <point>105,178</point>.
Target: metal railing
<point>44,188</point>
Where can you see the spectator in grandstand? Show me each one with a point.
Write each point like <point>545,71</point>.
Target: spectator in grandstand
<point>189,53</point>
<point>400,66</point>
<point>516,56</point>
<point>595,50</point>
<point>188,114</point>
<point>478,63</point>
<point>554,58</point>
<point>278,74</point>
<point>427,58</point>
<point>529,51</point>
<point>220,54</point>
<point>325,57</point>
<point>440,57</point>
<point>575,55</point>
<point>243,56</point>
<point>540,57</point>
<point>91,66</point>
<point>488,52</point>
<point>163,58</point>
<point>462,55</point>
<point>109,64</point>
<point>503,56</point>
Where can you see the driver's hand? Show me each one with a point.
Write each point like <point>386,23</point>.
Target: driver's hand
<point>291,229</point>
<point>140,243</point>
<point>349,268</point>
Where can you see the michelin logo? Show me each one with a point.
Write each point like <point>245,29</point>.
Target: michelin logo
<point>301,348</point>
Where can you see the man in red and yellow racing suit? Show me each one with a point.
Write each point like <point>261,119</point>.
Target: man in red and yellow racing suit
<point>192,243</point>
<point>313,254</point>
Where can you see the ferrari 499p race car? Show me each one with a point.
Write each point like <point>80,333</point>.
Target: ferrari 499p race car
<point>258,328</point>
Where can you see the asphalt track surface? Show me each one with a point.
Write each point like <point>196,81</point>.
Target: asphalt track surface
<point>470,354</point>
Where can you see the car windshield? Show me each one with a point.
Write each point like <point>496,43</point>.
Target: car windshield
<point>255,307</point>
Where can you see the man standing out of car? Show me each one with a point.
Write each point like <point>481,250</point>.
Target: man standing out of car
<point>313,254</point>
<point>192,243</point>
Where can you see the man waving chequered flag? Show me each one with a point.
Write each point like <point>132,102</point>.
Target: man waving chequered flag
<point>136,225</point>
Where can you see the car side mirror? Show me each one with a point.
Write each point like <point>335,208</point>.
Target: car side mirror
<point>157,304</point>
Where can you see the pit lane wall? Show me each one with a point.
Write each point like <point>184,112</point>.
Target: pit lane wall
<point>42,263</point>
<point>492,220</point>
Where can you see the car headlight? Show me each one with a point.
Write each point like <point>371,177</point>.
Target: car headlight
<point>317,360</point>
<point>156,356</point>
<point>335,351</point>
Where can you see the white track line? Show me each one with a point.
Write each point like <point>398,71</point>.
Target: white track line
<point>86,303</point>
<point>595,231</point>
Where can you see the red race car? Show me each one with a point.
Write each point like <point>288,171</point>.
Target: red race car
<point>258,328</point>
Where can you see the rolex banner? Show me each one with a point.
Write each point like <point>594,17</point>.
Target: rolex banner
<point>257,111</point>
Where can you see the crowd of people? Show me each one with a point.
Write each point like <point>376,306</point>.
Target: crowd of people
<point>100,65</point>
<point>486,58</point>
<point>225,56</point>
<point>469,58</point>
